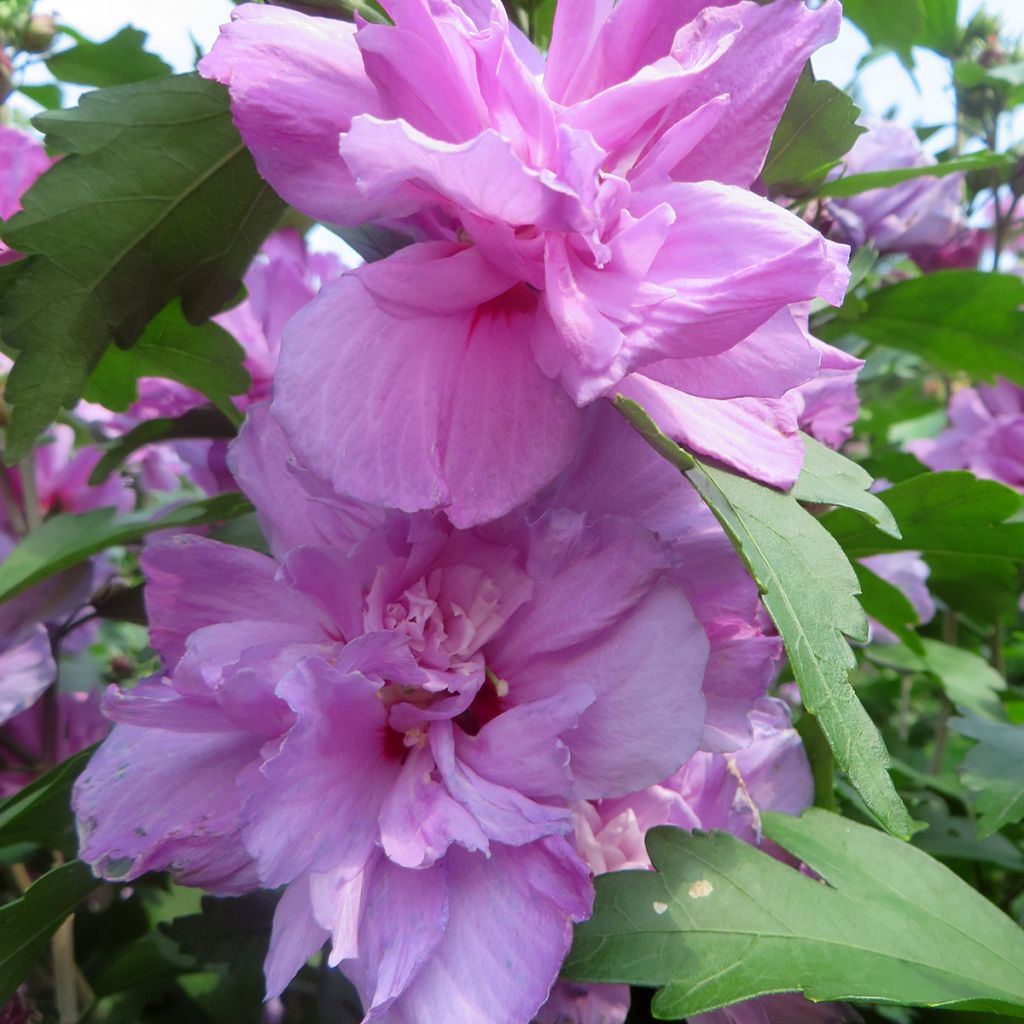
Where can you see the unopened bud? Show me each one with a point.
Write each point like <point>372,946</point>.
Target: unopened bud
<point>39,35</point>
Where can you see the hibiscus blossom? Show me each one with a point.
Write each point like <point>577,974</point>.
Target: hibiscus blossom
<point>584,228</point>
<point>393,718</point>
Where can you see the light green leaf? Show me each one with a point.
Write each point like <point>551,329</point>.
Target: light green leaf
<point>994,770</point>
<point>942,32</point>
<point>27,923</point>
<point>157,199</point>
<point>67,540</point>
<point>855,184</point>
<point>961,321</point>
<point>720,922</point>
<point>969,681</point>
<point>116,61</point>
<point>828,478</point>
<point>205,358</point>
<point>896,24</point>
<point>810,592</point>
<point>817,129</point>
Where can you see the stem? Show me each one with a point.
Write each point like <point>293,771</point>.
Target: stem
<point>941,737</point>
<point>30,493</point>
<point>998,657</point>
<point>903,720</point>
<point>11,506</point>
<point>65,971</point>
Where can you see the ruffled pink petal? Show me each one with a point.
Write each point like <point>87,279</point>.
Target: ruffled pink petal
<point>193,582</point>
<point>414,410</point>
<point>296,82</point>
<point>496,963</point>
<point>649,713</point>
<point>317,803</point>
<point>151,800</point>
<point>758,437</point>
<point>758,74</point>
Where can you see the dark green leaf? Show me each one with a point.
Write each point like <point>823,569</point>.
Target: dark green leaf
<point>959,320</point>
<point>957,521</point>
<point>942,32</point>
<point>828,478</point>
<point>40,813</point>
<point>157,199</point>
<point>67,540</point>
<point>119,60</point>
<point>994,770</point>
<point>969,681</point>
<point>888,605</point>
<point>810,592</point>
<point>720,921</point>
<point>47,96</point>
<point>817,129</point>
<point>233,931</point>
<point>956,838</point>
<point>27,923</point>
<point>823,764</point>
<point>855,184</point>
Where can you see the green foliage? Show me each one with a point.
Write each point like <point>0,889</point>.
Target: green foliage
<point>994,770</point>
<point>968,680</point>
<point>26,924</point>
<point>117,61</point>
<point>809,589</point>
<point>888,605</point>
<point>855,184</point>
<point>205,358</point>
<point>157,199</point>
<point>721,921</point>
<point>816,131</point>
<point>959,320</point>
<point>67,540</point>
<point>896,24</point>
<point>40,813</point>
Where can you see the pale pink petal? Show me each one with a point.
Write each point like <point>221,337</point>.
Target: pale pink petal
<point>296,82</point>
<point>439,410</point>
<point>26,670</point>
<point>294,938</point>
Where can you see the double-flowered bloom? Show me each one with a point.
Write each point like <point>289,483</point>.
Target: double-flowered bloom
<point>584,228</point>
<point>394,719</point>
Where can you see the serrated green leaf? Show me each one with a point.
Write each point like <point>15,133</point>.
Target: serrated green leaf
<point>817,128</point>
<point>157,199</point>
<point>968,680</point>
<point>66,540</point>
<point>809,589</point>
<point>41,813</point>
<point>205,358</point>
<point>26,924</point>
<point>961,321</point>
<point>720,921</point>
<point>994,770</point>
<point>116,61</point>
<point>855,184</point>
<point>828,478</point>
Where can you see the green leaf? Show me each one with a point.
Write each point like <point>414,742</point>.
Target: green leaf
<point>810,592</point>
<point>196,423</point>
<point>958,522</point>
<point>232,931</point>
<point>855,184</point>
<point>41,813</point>
<point>955,838</point>
<point>205,358</point>
<point>994,770</point>
<point>720,921</point>
<point>969,681</point>
<point>817,129</point>
<point>26,924</point>
<point>67,540</point>
<point>942,33</point>
<point>959,320</point>
<point>157,199</point>
<point>888,605</point>
<point>828,478</point>
<point>47,96</point>
<point>116,61</point>
<point>895,24</point>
